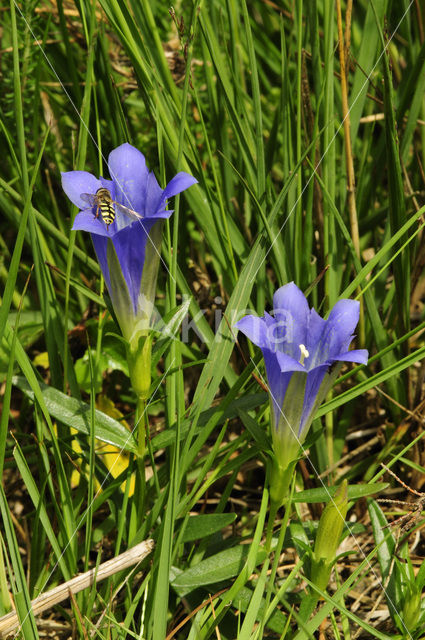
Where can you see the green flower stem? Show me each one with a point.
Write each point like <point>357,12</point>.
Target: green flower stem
<point>270,523</point>
<point>140,485</point>
<point>141,427</point>
<point>139,364</point>
<point>280,482</point>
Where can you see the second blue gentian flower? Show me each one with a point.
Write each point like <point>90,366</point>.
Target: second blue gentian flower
<point>302,353</point>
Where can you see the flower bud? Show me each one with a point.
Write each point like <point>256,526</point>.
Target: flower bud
<point>328,536</point>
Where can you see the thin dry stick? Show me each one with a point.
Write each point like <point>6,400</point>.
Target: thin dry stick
<point>348,13</point>
<point>10,621</point>
<point>351,181</point>
<point>195,611</point>
<point>80,617</point>
<point>351,455</point>
<point>217,631</point>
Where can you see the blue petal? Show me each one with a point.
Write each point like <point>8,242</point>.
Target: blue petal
<point>153,196</point>
<point>291,313</point>
<point>314,380</point>
<point>86,221</point>
<point>165,213</point>
<point>338,332</point>
<point>316,327</point>
<point>356,355</point>
<point>287,363</point>
<point>100,244</point>
<point>343,319</point>
<point>277,383</point>
<point>179,183</point>
<point>255,329</point>
<point>130,245</point>
<point>127,168</point>
<point>74,183</point>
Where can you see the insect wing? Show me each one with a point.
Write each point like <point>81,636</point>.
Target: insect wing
<point>133,215</point>
<point>90,199</point>
<point>95,201</point>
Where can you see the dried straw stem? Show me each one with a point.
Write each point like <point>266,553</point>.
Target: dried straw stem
<point>10,622</point>
<point>344,44</point>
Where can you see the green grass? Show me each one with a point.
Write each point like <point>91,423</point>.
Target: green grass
<point>258,120</point>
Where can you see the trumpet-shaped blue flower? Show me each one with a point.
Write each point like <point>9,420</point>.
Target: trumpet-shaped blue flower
<point>135,244</point>
<point>300,351</point>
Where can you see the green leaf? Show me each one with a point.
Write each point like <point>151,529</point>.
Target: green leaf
<point>276,622</point>
<point>75,413</point>
<point>258,433</point>
<point>247,402</point>
<point>386,546</point>
<point>374,381</point>
<point>33,490</point>
<point>221,566</point>
<point>19,581</point>
<point>365,57</point>
<point>109,358</point>
<point>323,494</point>
<point>168,330</point>
<point>204,525</point>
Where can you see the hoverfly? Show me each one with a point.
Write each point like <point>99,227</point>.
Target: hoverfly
<point>106,207</point>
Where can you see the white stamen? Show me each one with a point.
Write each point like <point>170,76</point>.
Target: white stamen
<point>304,353</point>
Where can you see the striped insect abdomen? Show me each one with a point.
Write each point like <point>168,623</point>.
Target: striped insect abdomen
<point>107,212</point>
<point>105,205</point>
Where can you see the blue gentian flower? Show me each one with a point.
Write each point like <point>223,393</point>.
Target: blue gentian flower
<point>135,244</point>
<point>301,352</point>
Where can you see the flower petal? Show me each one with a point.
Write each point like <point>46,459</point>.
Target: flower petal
<point>277,383</point>
<point>338,332</point>
<point>179,183</point>
<point>74,183</point>
<point>153,196</point>
<point>287,363</point>
<point>313,384</point>
<point>345,316</point>
<point>165,213</point>
<point>127,168</point>
<point>86,221</point>
<point>100,244</point>
<point>130,246</point>
<point>255,329</point>
<point>316,327</point>
<point>291,312</point>
<point>356,355</point>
